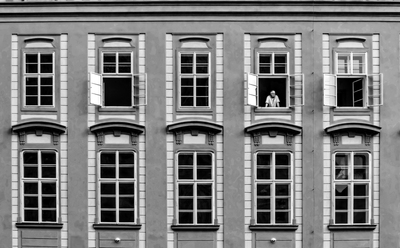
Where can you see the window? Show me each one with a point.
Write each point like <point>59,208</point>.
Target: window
<point>39,186</point>
<point>352,188</point>
<point>39,79</point>
<point>273,182</point>
<point>117,187</point>
<point>195,188</point>
<point>194,79</point>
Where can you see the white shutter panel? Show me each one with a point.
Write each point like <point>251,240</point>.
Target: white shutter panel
<point>330,93</point>
<point>296,90</point>
<point>139,82</point>
<point>252,89</point>
<point>95,89</point>
<point>375,89</point>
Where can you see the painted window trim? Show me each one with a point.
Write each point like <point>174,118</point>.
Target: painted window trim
<point>272,193</point>
<point>135,180</point>
<point>214,224</point>
<point>22,180</point>
<point>351,183</point>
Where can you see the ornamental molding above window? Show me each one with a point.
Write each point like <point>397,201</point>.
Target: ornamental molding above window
<point>350,129</point>
<point>117,128</point>
<point>39,127</point>
<point>194,128</point>
<point>272,129</point>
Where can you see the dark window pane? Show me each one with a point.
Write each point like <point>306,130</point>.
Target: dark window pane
<point>204,169</point>
<point>31,215</point>
<point>185,173</point>
<point>31,202</point>
<point>361,159</point>
<point>109,68</point>
<point>126,158</point>
<point>31,91</point>
<point>124,63</point>
<point>341,190</point>
<point>263,203</point>
<point>204,190</point>
<point>263,159</point>
<point>31,188</point>
<point>282,173</point>
<point>360,190</point>
<point>201,69</point>
<point>361,203</point>
<point>265,58</point>
<point>49,215</point>
<point>185,190</point>
<point>361,173</point>
<point>186,101</point>
<point>31,58</point>
<point>126,172</point>
<point>204,173</point>
<point>109,58</point>
<point>263,190</point>
<point>49,188</point>
<point>204,159</point>
<point>202,91</point>
<point>282,189</point>
<point>107,158</point>
<point>107,188</point>
<point>126,202</point>
<point>185,159</point>
<point>127,216</point>
<point>107,172</point>
<point>31,81</point>
<point>46,68</point>
<point>108,216</point>
<point>187,63</point>
<point>31,63</point>
<point>202,58</point>
<point>31,101</point>
<point>341,204</point>
<point>204,204</point>
<point>282,159</point>
<point>30,158</point>
<point>117,91</point>
<point>126,189</point>
<point>186,81</point>
<point>187,91</point>
<point>204,218</point>
<point>263,173</point>
<point>30,172</point>
<point>263,217</point>
<point>48,202</point>
<point>282,203</point>
<point>107,202</point>
<point>281,217</point>
<point>186,204</point>
<point>185,218</point>
<point>201,101</point>
<point>202,82</point>
<point>46,100</point>
<point>360,217</point>
<point>340,218</point>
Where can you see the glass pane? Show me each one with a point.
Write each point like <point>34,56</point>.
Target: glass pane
<point>360,190</point>
<point>46,90</point>
<point>263,203</point>
<point>282,190</point>
<point>124,63</point>
<point>108,188</point>
<point>187,101</point>
<point>186,204</point>
<point>49,171</point>
<point>31,202</point>
<point>187,91</point>
<point>361,203</point>
<point>361,166</point>
<point>46,100</point>
<point>31,215</point>
<point>49,165</point>
<point>31,61</point>
<point>263,190</point>
<point>108,216</point>
<point>360,217</point>
<point>204,166</point>
<point>46,63</point>
<point>265,63</point>
<point>31,172</point>
<point>185,190</point>
<point>263,217</point>
<point>185,163</point>
<point>30,158</point>
<point>107,202</point>
<point>342,161</point>
<point>280,63</point>
<point>126,188</point>
<point>343,63</point>
<point>204,204</point>
<point>204,190</point>
<point>204,217</point>
<point>201,101</point>
<point>263,166</point>
<point>127,216</point>
<point>202,63</point>
<point>341,204</point>
<point>107,165</point>
<point>282,159</point>
<point>31,188</point>
<point>282,217</point>
<point>30,164</point>
<point>185,217</point>
<point>358,63</point>
<point>49,188</point>
<point>186,63</point>
<point>126,165</point>
<point>282,172</point>
<point>341,217</point>
<point>127,202</point>
<point>109,63</point>
<point>282,203</point>
<point>30,101</point>
<point>187,81</point>
<point>201,91</point>
<point>49,202</point>
<point>341,190</point>
<point>118,91</point>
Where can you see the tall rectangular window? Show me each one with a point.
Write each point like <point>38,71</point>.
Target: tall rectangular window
<point>39,79</point>
<point>194,79</point>
<point>117,187</point>
<point>40,186</point>
<point>273,182</point>
<point>195,188</point>
<point>352,188</point>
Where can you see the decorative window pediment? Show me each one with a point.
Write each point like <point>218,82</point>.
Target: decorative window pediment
<point>350,129</point>
<point>38,127</point>
<point>272,42</point>
<point>117,41</point>
<point>194,127</point>
<point>39,42</point>
<point>273,129</point>
<point>117,128</point>
<point>194,42</point>
<point>351,42</point>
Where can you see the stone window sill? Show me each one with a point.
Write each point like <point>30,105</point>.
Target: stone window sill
<point>117,226</point>
<point>39,225</point>
<point>195,227</point>
<point>273,227</point>
<point>351,227</point>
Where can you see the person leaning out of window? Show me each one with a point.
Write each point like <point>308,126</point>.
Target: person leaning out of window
<point>272,100</point>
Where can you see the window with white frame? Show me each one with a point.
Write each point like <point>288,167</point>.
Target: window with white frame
<point>273,188</point>
<point>39,186</point>
<point>39,78</point>
<point>195,188</point>
<point>117,187</point>
<point>194,79</point>
<point>352,188</point>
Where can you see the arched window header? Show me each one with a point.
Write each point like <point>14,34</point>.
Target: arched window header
<point>117,41</point>
<point>39,127</point>
<point>39,42</point>
<point>351,42</point>
<point>193,127</point>
<point>116,128</point>
<point>194,42</point>
<point>272,42</point>
<point>272,129</point>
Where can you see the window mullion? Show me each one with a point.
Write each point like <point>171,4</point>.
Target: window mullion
<point>39,154</point>
<point>273,63</point>
<point>116,62</point>
<point>272,200</point>
<point>195,202</point>
<point>117,186</point>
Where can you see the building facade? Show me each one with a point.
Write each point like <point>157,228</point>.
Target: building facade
<point>203,124</point>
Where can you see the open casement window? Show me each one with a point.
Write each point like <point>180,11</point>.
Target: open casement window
<point>194,77</point>
<point>352,188</point>
<point>39,186</point>
<point>117,185</point>
<point>195,192</point>
<point>106,91</point>
<point>39,79</point>
<point>273,188</point>
<point>258,88</point>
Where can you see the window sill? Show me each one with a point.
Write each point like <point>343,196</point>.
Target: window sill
<point>273,110</point>
<point>122,109</point>
<point>39,225</point>
<point>196,110</point>
<point>117,226</point>
<point>351,110</point>
<point>39,109</point>
<point>273,227</point>
<point>351,227</point>
<point>195,227</point>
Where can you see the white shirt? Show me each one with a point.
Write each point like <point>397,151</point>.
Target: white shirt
<point>271,102</point>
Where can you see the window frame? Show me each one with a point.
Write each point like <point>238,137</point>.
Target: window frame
<point>116,180</point>
<point>209,75</point>
<point>39,180</point>
<point>351,182</point>
<point>193,181</point>
<point>271,182</point>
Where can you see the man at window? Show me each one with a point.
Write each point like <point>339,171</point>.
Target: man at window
<point>272,100</point>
